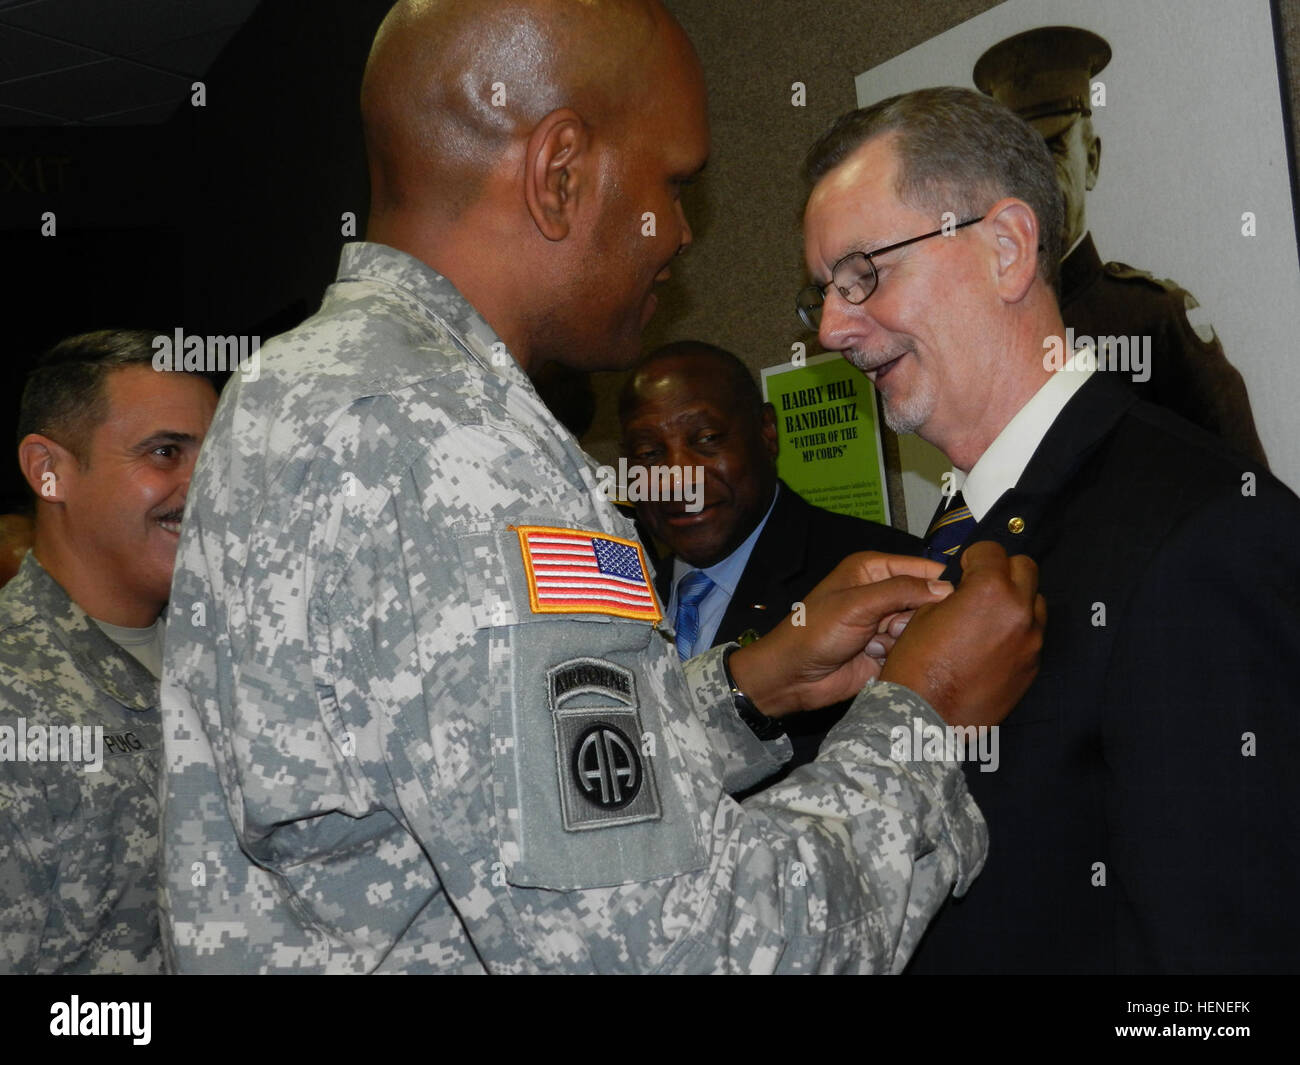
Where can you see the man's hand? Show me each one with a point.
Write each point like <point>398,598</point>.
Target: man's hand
<point>803,667</point>
<point>891,627</point>
<point>973,656</point>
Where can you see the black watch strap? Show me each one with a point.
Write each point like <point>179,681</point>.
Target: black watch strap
<point>762,726</point>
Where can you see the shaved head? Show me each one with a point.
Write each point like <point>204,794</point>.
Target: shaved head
<point>715,371</point>
<point>449,83</point>
<point>533,153</point>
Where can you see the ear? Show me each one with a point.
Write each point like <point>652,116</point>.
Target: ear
<point>1094,163</point>
<point>557,167</point>
<point>1015,230</point>
<point>768,431</point>
<point>43,463</point>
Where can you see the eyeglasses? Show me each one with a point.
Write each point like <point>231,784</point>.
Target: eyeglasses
<point>855,277</point>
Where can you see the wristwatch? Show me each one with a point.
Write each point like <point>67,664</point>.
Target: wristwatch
<point>762,726</point>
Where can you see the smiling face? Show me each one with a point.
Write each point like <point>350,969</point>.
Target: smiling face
<point>121,511</point>
<point>919,336</point>
<point>683,412</point>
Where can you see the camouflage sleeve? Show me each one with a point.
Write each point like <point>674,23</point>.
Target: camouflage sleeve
<point>407,767</point>
<point>276,854</point>
<point>746,759</point>
<point>29,864</point>
<point>77,881</point>
<point>874,844</point>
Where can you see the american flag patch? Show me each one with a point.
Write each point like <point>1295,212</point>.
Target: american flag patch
<point>574,572</point>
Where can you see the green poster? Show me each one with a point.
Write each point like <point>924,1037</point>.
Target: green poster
<point>830,442</point>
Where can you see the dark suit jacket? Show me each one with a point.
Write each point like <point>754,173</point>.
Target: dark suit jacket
<point>800,545</point>
<point>1189,374</point>
<point>1144,813</point>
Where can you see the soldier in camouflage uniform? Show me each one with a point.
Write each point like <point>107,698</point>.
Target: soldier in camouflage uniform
<point>399,734</point>
<point>1045,75</point>
<point>79,722</point>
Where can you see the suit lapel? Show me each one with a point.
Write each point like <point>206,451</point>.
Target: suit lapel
<point>769,582</point>
<point>1020,519</point>
<point>763,595</point>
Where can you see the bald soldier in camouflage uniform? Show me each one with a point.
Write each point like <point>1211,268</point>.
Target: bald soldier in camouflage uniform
<point>79,721</point>
<point>401,736</point>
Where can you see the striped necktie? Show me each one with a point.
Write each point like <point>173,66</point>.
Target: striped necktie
<point>949,530</point>
<point>690,591</point>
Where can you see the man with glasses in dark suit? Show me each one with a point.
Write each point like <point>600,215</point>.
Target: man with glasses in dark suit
<point>1143,816</point>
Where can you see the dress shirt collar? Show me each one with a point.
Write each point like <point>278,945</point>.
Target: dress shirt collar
<point>1001,465</point>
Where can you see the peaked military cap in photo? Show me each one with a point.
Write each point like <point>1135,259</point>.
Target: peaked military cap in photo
<point>1044,75</point>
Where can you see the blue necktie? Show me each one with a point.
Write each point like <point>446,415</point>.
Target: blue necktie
<point>949,530</point>
<point>690,591</point>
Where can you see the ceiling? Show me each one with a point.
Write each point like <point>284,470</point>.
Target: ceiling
<point>107,62</point>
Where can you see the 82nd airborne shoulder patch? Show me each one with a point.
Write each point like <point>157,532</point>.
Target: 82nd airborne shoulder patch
<point>604,779</point>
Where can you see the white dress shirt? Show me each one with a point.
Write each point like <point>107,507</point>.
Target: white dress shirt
<point>999,468</point>
<point>725,576</point>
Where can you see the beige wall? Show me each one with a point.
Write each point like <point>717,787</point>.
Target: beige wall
<point>736,287</point>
